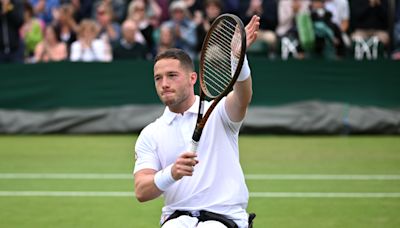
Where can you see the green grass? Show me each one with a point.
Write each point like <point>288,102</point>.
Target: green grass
<point>259,155</point>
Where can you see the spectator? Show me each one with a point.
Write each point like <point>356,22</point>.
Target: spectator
<point>369,18</point>
<point>152,11</point>
<point>65,25</point>
<point>328,37</point>
<point>340,10</point>
<point>88,48</point>
<point>11,19</point>
<point>166,39</point>
<point>44,9</point>
<point>31,31</point>
<point>127,47</point>
<point>51,49</point>
<point>287,11</point>
<point>137,13</point>
<point>267,11</point>
<point>110,31</point>
<point>213,8</point>
<point>118,7</point>
<point>184,29</point>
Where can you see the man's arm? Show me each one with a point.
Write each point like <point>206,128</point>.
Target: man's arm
<point>238,100</point>
<point>145,188</point>
<point>150,184</point>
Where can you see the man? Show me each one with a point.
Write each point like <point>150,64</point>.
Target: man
<point>127,47</point>
<point>203,189</point>
<point>183,28</point>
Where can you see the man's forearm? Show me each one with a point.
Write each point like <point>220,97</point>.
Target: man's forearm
<point>145,188</point>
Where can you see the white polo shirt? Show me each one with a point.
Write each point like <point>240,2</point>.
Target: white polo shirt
<point>218,183</point>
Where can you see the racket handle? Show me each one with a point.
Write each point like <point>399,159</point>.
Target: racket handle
<point>193,146</point>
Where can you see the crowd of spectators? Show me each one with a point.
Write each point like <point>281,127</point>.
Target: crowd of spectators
<point>34,31</point>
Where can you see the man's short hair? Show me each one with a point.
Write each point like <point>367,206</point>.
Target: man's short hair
<point>178,54</point>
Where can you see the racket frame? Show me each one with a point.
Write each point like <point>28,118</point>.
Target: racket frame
<point>201,120</point>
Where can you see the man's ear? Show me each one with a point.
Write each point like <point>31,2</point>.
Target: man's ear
<point>193,77</point>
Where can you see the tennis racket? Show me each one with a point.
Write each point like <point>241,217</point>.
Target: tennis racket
<point>221,61</point>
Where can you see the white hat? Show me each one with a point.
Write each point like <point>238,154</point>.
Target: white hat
<point>177,5</point>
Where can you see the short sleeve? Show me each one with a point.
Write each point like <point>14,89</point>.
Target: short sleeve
<point>145,152</point>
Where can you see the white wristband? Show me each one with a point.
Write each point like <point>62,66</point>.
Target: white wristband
<point>163,178</point>
<point>245,72</point>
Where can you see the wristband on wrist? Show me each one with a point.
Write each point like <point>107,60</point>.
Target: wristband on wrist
<point>163,178</point>
<point>245,72</point>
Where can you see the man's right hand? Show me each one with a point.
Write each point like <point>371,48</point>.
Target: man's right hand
<point>184,165</point>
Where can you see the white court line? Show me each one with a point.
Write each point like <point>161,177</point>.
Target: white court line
<point>116,176</point>
<point>252,194</point>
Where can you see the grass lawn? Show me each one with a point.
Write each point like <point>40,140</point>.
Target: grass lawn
<point>28,199</point>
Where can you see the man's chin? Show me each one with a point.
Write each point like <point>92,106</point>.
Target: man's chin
<point>168,101</point>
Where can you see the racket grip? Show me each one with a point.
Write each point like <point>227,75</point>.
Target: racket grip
<point>193,146</point>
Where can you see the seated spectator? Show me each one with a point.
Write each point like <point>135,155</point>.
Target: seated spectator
<point>109,30</point>
<point>183,28</point>
<point>152,10</point>
<point>88,48</point>
<point>328,37</point>
<point>127,47</point>
<point>137,13</point>
<point>118,7</point>
<point>340,10</point>
<point>213,8</point>
<point>65,24</point>
<point>51,49</point>
<point>31,31</point>
<point>267,11</point>
<point>287,11</point>
<point>166,39</point>
<point>11,20</point>
<point>369,18</point>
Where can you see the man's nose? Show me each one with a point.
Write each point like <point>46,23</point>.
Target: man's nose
<point>165,82</point>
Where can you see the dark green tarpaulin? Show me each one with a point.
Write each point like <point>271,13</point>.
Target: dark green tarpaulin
<point>87,85</point>
<point>308,97</point>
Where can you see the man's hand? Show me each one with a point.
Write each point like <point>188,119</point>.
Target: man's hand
<point>184,165</point>
<point>251,30</point>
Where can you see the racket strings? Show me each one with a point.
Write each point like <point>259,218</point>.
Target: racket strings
<point>220,57</point>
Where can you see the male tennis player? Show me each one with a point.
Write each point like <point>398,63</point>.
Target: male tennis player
<point>203,189</point>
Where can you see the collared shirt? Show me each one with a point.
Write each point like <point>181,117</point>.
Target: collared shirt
<point>217,184</point>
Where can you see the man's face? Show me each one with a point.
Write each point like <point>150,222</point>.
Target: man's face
<point>174,84</point>
<point>178,14</point>
<point>129,32</point>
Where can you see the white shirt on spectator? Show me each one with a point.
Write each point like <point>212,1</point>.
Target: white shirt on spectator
<point>98,52</point>
<point>340,10</point>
